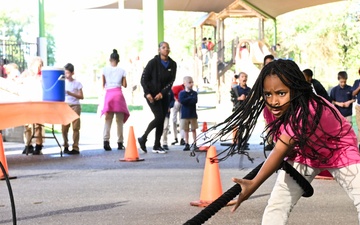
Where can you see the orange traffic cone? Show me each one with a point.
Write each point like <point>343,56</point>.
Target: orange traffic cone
<point>204,128</point>
<point>211,188</point>
<point>131,151</point>
<point>3,162</point>
<point>204,148</point>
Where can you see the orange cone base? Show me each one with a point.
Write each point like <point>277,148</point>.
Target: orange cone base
<point>204,148</point>
<point>3,178</point>
<point>324,177</point>
<point>131,160</point>
<point>201,203</point>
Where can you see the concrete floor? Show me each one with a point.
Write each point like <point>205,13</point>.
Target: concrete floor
<point>96,188</point>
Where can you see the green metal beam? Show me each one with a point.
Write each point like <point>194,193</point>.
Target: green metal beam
<point>262,12</point>
<point>160,20</point>
<point>259,10</point>
<point>41,19</point>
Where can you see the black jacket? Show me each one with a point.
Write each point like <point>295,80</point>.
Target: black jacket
<point>156,78</point>
<point>320,90</point>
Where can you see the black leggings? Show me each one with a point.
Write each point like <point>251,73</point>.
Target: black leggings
<point>159,109</point>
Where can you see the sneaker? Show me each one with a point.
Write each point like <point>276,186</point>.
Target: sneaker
<point>66,150</point>
<point>158,149</point>
<point>142,144</point>
<point>195,148</point>
<point>73,152</point>
<point>107,146</point>
<point>165,147</point>
<point>121,146</point>
<point>269,147</point>
<point>37,150</point>
<point>30,149</point>
<point>182,142</point>
<point>175,142</point>
<point>187,147</point>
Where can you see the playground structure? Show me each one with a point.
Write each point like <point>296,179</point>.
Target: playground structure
<point>246,55</point>
<point>249,58</point>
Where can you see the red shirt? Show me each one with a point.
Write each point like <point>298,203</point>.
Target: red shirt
<point>176,89</point>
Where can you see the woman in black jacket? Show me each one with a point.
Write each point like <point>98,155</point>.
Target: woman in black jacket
<point>157,80</point>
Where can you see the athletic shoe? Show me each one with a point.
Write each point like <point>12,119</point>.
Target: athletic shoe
<point>73,152</point>
<point>107,146</point>
<point>187,147</point>
<point>37,150</point>
<point>269,147</point>
<point>66,150</point>
<point>158,149</point>
<point>182,142</point>
<point>121,146</point>
<point>175,142</point>
<point>195,148</point>
<point>165,147</point>
<point>142,144</point>
<point>30,149</point>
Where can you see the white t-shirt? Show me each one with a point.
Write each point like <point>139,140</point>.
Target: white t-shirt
<point>74,87</point>
<point>113,76</point>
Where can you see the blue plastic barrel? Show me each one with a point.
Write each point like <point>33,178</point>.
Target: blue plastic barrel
<point>53,82</point>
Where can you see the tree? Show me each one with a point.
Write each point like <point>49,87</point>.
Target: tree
<point>21,44</point>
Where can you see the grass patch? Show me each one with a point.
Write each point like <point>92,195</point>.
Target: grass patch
<point>89,108</point>
<point>92,108</point>
<point>57,130</point>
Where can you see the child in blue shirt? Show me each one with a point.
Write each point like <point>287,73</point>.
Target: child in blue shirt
<point>341,96</point>
<point>188,100</point>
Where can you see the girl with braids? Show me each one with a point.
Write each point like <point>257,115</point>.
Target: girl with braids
<point>310,134</point>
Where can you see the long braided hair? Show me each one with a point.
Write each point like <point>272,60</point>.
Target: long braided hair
<point>298,117</point>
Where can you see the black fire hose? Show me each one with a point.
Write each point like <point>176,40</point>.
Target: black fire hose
<point>230,194</point>
<point>10,193</point>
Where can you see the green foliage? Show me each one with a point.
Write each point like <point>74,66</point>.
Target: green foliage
<point>20,28</point>
<point>324,38</point>
<point>51,46</point>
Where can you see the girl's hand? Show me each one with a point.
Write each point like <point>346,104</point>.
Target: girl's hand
<point>158,97</point>
<point>247,189</point>
<point>150,98</point>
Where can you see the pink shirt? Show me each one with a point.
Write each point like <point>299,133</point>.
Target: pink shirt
<point>347,152</point>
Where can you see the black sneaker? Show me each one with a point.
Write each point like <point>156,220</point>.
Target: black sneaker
<point>166,147</point>
<point>182,142</point>
<point>175,142</point>
<point>195,148</point>
<point>269,147</point>
<point>107,146</point>
<point>187,147</point>
<point>66,150</point>
<point>30,149</point>
<point>73,152</point>
<point>158,149</point>
<point>37,150</point>
<point>142,144</point>
<point>121,146</point>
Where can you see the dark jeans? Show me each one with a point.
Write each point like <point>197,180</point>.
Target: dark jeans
<point>159,109</point>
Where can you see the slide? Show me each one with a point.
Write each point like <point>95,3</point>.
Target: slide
<point>248,53</point>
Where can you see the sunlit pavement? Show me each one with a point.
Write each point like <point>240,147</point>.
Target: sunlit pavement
<point>96,188</point>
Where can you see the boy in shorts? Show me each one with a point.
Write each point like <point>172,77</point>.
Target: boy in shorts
<point>188,100</point>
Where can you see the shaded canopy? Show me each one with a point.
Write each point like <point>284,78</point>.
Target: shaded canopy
<point>253,8</point>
